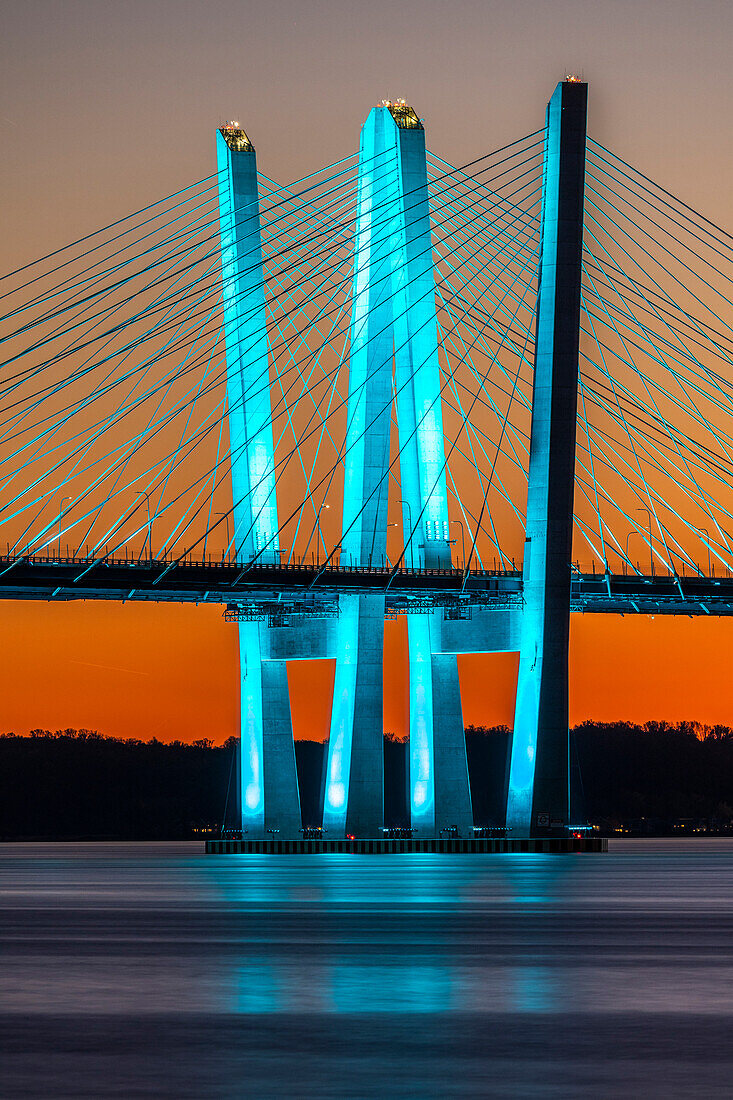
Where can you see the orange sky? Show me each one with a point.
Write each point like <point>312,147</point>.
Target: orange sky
<point>127,98</point>
<point>171,671</point>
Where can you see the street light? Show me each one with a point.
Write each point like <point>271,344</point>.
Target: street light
<point>651,549</point>
<point>61,512</point>
<point>628,559</point>
<point>710,571</point>
<point>389,563</point>
<point>409,523</point>
<point>149,535</point>
<point>224,515</point>
<point>319,539</point>
<point>463,539</point>
<point>324,508</point>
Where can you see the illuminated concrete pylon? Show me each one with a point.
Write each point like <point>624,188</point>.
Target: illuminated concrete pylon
<point>440,797</point>
<point>538,799</point>
<point>354,790</point>
<point>394,316</point>
<point>269,784</point>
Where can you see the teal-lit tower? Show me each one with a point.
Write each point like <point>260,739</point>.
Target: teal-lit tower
<point>440,800</point>
<point>538,799</point>
<point>354,789</point>
<point>269,786</point>
<point>394,346</point>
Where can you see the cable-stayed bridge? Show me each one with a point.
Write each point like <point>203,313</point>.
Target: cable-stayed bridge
<point>481,396</point>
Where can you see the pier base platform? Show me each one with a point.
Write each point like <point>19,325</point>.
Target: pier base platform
<point>455,845</point>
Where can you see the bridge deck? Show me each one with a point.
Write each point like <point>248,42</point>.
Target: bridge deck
<point>312,587</point>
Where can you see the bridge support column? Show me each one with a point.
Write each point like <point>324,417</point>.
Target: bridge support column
<point>538,799</point>
<point>354,794</point>
<point>440,797</point>
<point>269,786</point>
<point>270,800</point>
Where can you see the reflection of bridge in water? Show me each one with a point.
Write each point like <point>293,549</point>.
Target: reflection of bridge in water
<point>527,358</point>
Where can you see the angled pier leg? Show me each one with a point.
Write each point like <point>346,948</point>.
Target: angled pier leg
<point>269,786</point>
<point>354,794</point>
<point>538,800</point>
<point>440,796</point>
<point>270,798</point>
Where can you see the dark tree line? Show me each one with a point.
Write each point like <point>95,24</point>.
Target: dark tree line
<point>78,783</point>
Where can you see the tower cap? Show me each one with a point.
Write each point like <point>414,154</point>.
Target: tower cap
<point>236,138</point>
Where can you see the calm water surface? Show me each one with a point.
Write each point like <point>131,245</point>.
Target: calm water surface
<point>150,970</point>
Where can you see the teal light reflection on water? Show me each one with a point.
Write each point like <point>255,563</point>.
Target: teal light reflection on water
<point>446,976</point>
<point>259,989</point>
<point>398,987</point>
<point>350,987</point>
<point>535,989</point>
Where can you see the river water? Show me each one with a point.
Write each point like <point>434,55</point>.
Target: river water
<point>146,970</point>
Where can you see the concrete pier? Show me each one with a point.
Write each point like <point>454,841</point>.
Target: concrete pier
<point>442,845</point>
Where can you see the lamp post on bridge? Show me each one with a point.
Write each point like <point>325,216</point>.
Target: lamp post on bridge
<point>710,570</point>
<point>651,548</point>
<point>225,516</point>
<point>61,512</point>
<point>395,524</point>
<point>323,508</point>
<point>628,559</point>
<point>409,522</point>
<point>463,540</point>
<point>149,536</point>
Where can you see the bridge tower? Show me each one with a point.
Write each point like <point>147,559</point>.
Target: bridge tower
<point>538,797</point>
<point>440,798</point>
<point>394,319</point>
<point>354,789</point>
<point>269,784</point>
